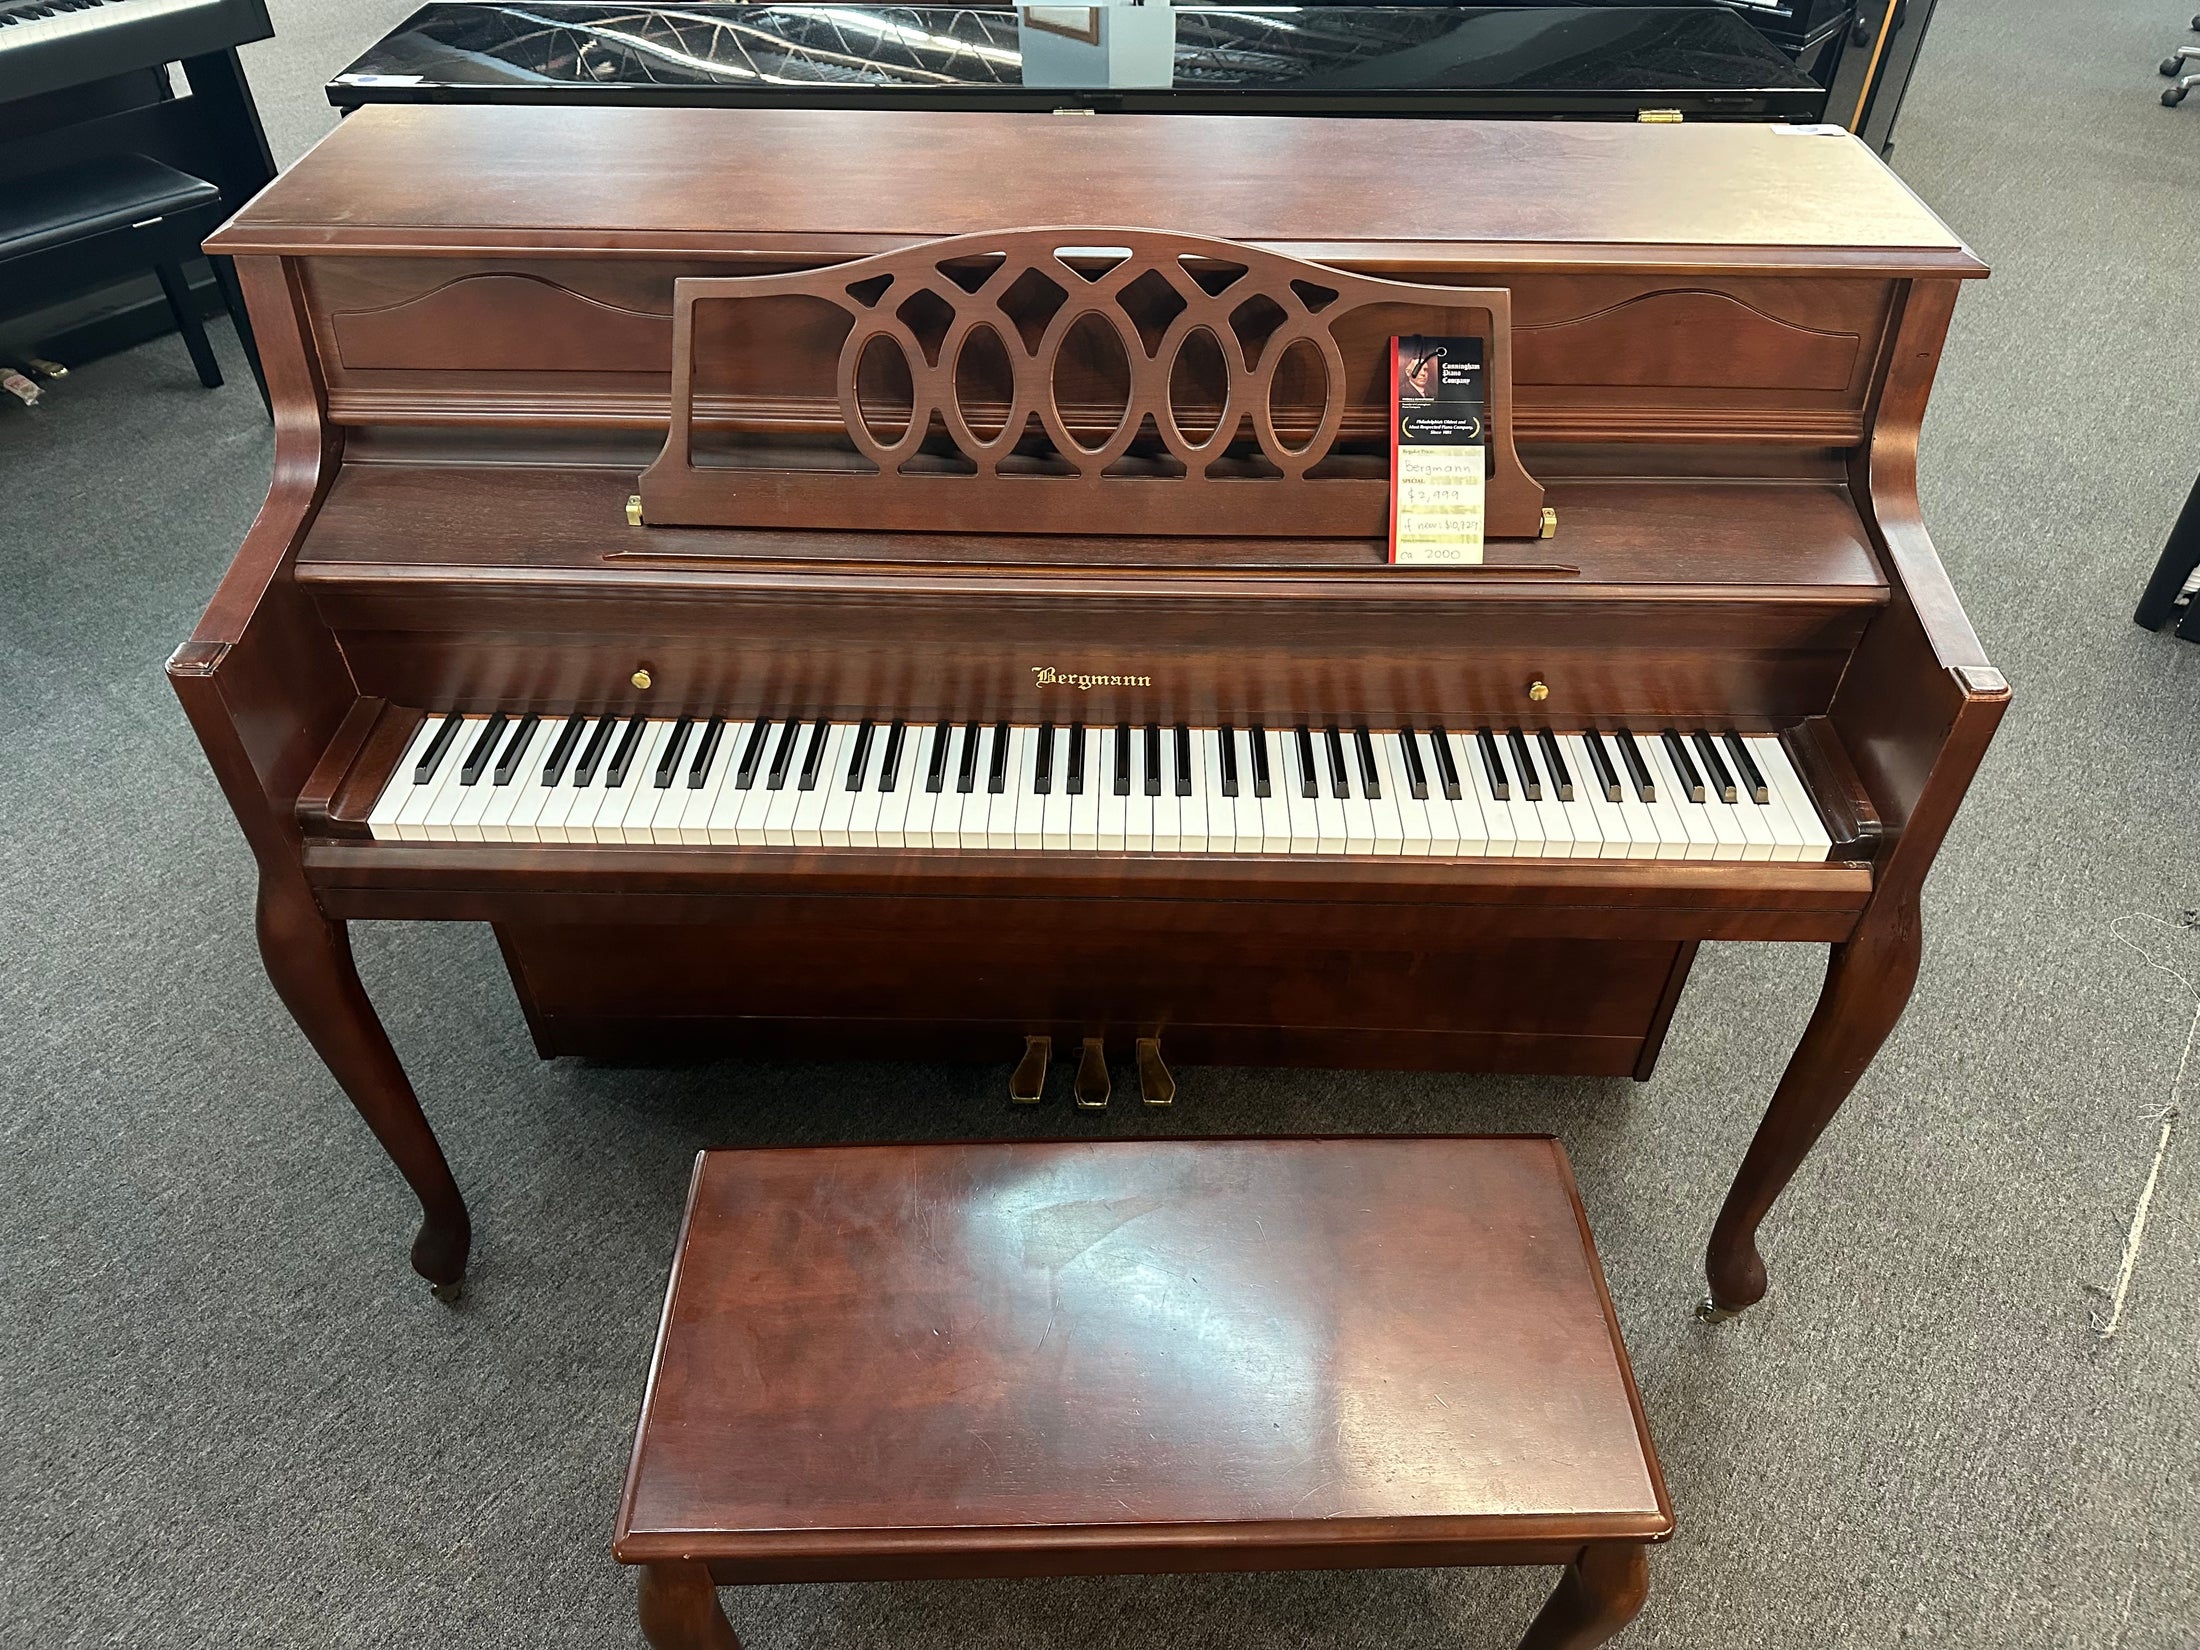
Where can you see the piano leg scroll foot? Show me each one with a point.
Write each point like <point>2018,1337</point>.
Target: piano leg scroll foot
<point>1092,1076</point>
<point>1710,1311</point>
<point>1028,1085</point>
<point>449,1293</point>
<point>308,958</point>
<point>1868,981</point>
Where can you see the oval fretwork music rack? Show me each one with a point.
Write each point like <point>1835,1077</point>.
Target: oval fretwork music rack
<point>1235,473</point>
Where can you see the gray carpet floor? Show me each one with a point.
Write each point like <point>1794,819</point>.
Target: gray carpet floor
<point>228,1417</point>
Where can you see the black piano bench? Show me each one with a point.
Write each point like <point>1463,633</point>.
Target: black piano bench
<point>105,220</point>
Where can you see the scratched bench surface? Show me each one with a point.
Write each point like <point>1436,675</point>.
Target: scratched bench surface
<point>932,1346</point>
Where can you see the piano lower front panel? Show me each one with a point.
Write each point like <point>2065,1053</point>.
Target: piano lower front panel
<point>806,980</point>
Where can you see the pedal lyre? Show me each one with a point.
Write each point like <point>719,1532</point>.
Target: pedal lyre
<point>1028,1084</point>
<point>1092,1076</point>
<point>1155,1085</point>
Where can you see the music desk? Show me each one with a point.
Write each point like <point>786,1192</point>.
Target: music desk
<point>887,1362</point>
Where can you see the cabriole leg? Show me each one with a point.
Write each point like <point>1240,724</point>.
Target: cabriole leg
<point>680,1608</point>
<point>1598,1595</point>
<point>309,959</point>
<point>1868,981</point>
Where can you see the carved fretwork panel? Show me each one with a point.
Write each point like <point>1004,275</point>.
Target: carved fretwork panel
<point>1069,381</point>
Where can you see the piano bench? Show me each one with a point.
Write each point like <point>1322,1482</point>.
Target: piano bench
<point>104,220</point>
<point>1136,1357</point>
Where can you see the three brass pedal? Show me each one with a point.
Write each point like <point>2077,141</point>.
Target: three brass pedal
<point>1027,1084</point>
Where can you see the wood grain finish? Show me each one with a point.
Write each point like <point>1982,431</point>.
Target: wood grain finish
<point>1723,343</point>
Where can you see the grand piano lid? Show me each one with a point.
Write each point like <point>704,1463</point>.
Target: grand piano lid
<point>1698,58</point>
<point>1415,197</point>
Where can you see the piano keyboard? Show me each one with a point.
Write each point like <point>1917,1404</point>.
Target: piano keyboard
<point>1668,793</point>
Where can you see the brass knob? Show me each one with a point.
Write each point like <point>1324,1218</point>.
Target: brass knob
<point>640,678</point>
<point>1539,690</point>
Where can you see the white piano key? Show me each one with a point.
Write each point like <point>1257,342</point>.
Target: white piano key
<point>1525,817</point>
<point>1416,821</point>
<point>1193,833</point>
<point>1218,821</point>
<point>1112,829</point>
<point>1168,807</point>
<point>808,827</point>
<point>590,799</point>
<point>1471,832</point>
<point>400,793</point>
<point>474,799</point>
<point>633,798</point>
<point>1697,841</point>
<point>1729,836</point>
<point>559,801</point>
<point>1601,826</point>
<point>840,805</point>
<point>525,825</point>
<point>1275,807</point>
<point>1808,831</point>
<point>1054,804</point>
<point>780,805</point>
<point>751,807</point>
<point>1501,838</point>
<point>869,800</point>
<point>950,804</point>
<point>693,824</point>
<point>923,804</point>
<point>1012,818</point>
<point>1084,802</point>
<point>1554,825</point>
<point>496,819</point>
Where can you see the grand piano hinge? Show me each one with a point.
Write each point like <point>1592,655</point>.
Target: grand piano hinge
<point>1549,528</point>
<point>1658,117</point>
<point>634,509</point>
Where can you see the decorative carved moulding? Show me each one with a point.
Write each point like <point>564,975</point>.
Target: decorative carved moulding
<point>1070,381</point>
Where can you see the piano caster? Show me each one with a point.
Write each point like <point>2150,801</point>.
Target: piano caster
<point>1091,1090</point>
<point>448,1293</point>
<point>1710,1311</point>
<point>1155,1086</point>
<point>1028,1084</point>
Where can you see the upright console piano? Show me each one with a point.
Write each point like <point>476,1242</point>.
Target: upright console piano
<point>914,583</point>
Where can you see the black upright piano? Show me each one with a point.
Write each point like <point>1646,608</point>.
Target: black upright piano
<point>1800,61</point>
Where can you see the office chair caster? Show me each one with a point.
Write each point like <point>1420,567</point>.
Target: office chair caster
<point>2173,96</point>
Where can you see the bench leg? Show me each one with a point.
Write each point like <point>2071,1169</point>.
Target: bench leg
<point>680,1609</point>
<point>1598,1595</point>
<point>178,289</point>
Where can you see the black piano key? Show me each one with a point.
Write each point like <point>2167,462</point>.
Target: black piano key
<point>813,757</point>
<point>935,775</point>
<point>584,773</point>
<point>859,758</point>
<point>706,752</point>
<point>1229,761</point>
<point>1600,759</point>
<point>561,753</point>
<point>1746,766</point>
<point>1371,779</point>
<point>1638,771</point>
<point>515,748</point>
<point>1446,769</point>
<point>966,775</point>
<point>783,754</point>
<point>1554,764</point>
<point>1308,786</point>
<point>1122,759</point>
<point>1493,765</point>
<point>996,769</point>
<point>1183,760</point>
<point>1531,783</point>
<point>432,758</point>
<point>1153,759</point>
<point>1073,782</point>
<point>889,762</point>
<point>1416,775</point>
<point>752,755</point>
<point>1714,767</point>
<point>1684,767</point>
<point>485,746</point>
<point>1340,779</point>
<point>616,775</point>
<point>668,759</point>
<point>1256,742</point>
<point>1042,766</point>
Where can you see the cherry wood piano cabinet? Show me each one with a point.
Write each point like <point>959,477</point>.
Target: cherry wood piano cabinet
<point>799,444</point>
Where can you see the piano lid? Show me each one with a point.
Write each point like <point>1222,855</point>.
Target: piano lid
<point>1488,59</point>
<point>1408,195</point>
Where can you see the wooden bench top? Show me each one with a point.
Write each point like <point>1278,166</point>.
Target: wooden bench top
<point>1135,1355</point>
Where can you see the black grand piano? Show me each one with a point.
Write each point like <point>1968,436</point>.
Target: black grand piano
<point>1805,61</point>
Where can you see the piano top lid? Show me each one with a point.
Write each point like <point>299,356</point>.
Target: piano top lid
<point>1373,195</point>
